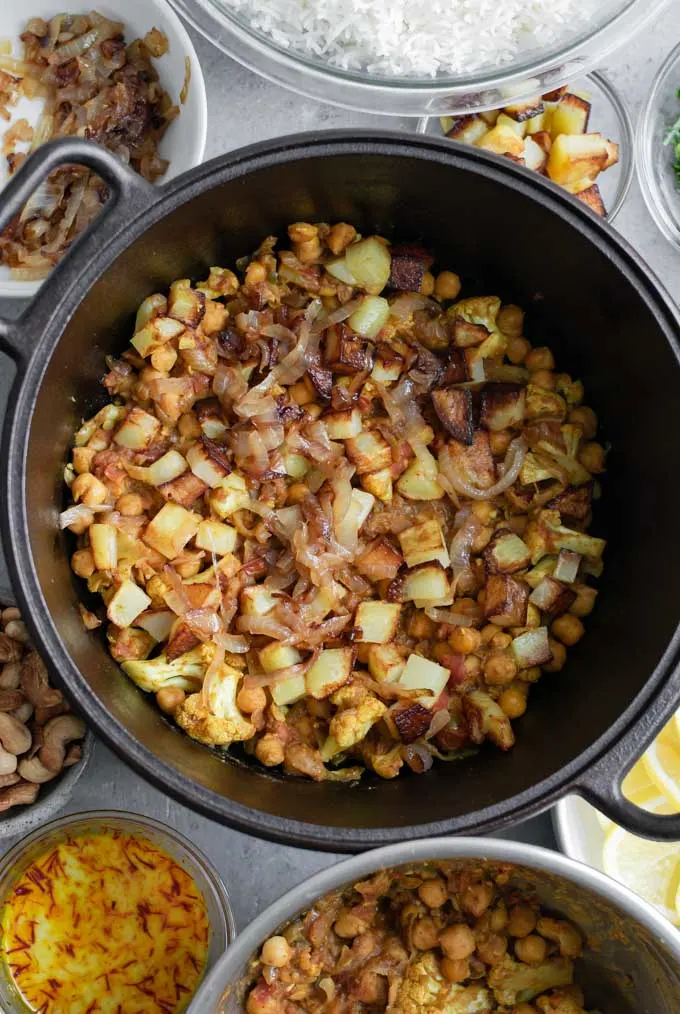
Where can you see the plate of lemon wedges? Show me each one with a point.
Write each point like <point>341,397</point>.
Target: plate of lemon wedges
<point>651,869</point>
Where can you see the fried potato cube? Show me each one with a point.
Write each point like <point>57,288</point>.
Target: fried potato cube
<point>523,111</point>
<point>453,405</point>
<point>379,484</point>
<point>276,656</point>
<point>166,468</point>
<point>369,451</point>
<point>184,490</point>
<point>424,542</point>
<point>289,691</point>
<point>216,537</point>
<point>426,584</point>
<point>570,116</point>
<point>506,554</point>
<point>419,481</point>
<point>539,122</point>
<point>230,496</point>
<point>380,561</point>
<point>423,674</point>
<point>551,597</point>
<point>543,139</point>
<point>256,600</point>
<point>502,140</point>
<point>411,720</point>
<point>535,157</point>
<point>127,603</point>
<point>156,333</point>
<point>506,600</point>
<point>138,430</point>
<point>180,640</point>
<point>170,530</point>
<point>555,95</point>
<point>376,622</point>
<point>360,507</point>
<point>573,156</point>
<point>532,648</point>
<point>592,197</point>
<point>344,424</point>
<point>346,354</point>
<point>387,371</point>
<point>209,461</point>
<point>567,566</point>
<point>503,406</point>
<point>104,546</point>
<point>467,333</point>
<point>467,129</point>
<point>486,718</point>
<point>331,671</point>
<point>186,304</point>
<point>385,662</point>
<point>612,154</point>
<point>475,464</point>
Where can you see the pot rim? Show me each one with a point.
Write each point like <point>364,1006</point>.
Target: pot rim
<point>301,897</point>
<point>49,316</point>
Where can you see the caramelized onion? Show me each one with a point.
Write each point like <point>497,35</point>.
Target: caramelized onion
<point>512,466</point>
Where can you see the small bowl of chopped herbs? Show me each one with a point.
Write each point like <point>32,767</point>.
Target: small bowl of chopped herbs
<point>658,153</point>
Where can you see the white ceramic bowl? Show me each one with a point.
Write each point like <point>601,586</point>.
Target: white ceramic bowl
<point>184,143</point>
<point>579,830</point>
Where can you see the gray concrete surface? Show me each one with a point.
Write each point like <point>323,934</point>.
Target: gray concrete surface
<point>242,109</point>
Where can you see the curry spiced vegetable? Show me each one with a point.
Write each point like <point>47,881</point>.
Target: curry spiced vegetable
<point>432,939</point>
<point>335,511</point>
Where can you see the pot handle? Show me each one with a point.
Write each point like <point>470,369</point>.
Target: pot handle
<point>129,195</point>
<point>601,783</point>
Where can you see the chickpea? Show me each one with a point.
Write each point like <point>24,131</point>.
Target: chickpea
<point>455,970</point>
<point>513,702</point>
<point>82,563</point>
<point>250,699</point>
<point>189,426</point>
<point>481,539</point>
<point>540,359</point>
<point>586,419</point>
<point>472,666</point>
<point>276,951</point>
<point>559,656</point>
<point>372,988</point>
<point>340,236</point>
<point>261,1002</point>
<point>518,349</point>
<point>427,284</point>
<point>302,232</point>
<point>531,949</point>
<point>571,390</point>
<point>499,442</point>
<point>164,358</point>
<point>424,934</point>
<point>88,489</point>
<point>523,1008</point>
<point>531,675</point>
<point>347,925</point>
<point>269,750</point>
<point>584,602</point>
<point>491,948</point>
<point>297,492</point>
<point>501,641</point>
<point>566,936</point>
<point>465,640</point>
<point>255,273</point>
<point>80,526</point>
<point>169,699</point>
<point>309,252</point>
<point>421,626</point>
<point>488,631</point>
<point>130,505</point>
<point>499,918</point>
<point>457,941</point>
<point>82,459</point>
<point>476,898</point>
<point>545,379</point>
<point>568,629</point>
<point>484,511</point>
<point>510,320</point>
<point>499,669</point>
<point>447,285</point>
<point>441,651</point>
<point>433,893</point>
<point>592,457</point>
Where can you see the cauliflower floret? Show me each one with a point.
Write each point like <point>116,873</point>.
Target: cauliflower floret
<point>514,982</point>
<point>562,1001</point>
<point>186,671</point>
<point>211,716</point>
<point>351,725</point>
<point>425,989</point>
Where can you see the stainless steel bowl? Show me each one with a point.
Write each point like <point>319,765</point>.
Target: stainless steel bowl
<point>630,966</point>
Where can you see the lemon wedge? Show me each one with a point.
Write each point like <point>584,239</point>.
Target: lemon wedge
<point>651,869</point>
<point>675,725</point>
<point>662,764</point>
<point>638,785</point>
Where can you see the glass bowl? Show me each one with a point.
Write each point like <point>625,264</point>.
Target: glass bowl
<point>537,70</point>
<point>659,184</point>
<point>14,863</point>
<point>611,118</point>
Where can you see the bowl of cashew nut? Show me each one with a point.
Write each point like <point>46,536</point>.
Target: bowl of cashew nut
<point>44,747</point>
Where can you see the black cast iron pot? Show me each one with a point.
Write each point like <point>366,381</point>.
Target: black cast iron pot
<point>507,232</point>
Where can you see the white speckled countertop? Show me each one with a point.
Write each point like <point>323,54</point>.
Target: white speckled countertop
<point>243,109</point>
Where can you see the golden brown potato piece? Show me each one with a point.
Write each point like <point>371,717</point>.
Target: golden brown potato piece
<point>454,408</point>
<point>506,601</point>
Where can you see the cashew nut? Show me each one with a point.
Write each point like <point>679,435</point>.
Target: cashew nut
<point>9,614</point>
<point>23,712</point>
<point>10,675</point>
<point>10,650</point>
<point>35,771</point>
<point>8,762</point>
<point>43,715</point>
<point>22,793</point>
<point>35,684</point>
<point>11,779</point>
<point>58,733</point>
<point>14,735</point>
<point>11,699</point>
<point>73,755</point>
<point>18,630</point>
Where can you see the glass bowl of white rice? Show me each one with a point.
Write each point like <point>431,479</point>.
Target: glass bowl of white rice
<point>415,57</point>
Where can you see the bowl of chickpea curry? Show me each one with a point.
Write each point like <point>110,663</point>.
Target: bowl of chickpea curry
<point>452,927</point>
<point>334,492</point>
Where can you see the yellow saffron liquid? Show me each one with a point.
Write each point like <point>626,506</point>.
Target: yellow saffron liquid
<point>105,923</point>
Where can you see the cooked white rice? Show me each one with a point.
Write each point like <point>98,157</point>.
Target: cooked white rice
<point>417,38</point>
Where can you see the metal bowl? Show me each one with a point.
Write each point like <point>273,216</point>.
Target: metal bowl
<point>631,964</point>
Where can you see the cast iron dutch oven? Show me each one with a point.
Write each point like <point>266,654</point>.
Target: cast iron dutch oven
<point>507,232</point>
